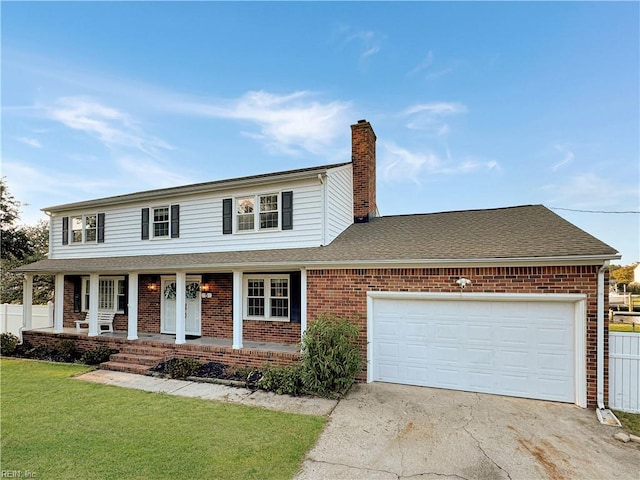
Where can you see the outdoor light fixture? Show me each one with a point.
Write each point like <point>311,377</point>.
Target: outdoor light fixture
<point>204,287</point>
<point>463,282</point>
<point>152,287</point>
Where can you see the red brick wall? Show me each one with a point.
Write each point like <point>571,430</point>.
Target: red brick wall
<point>363,156</point>
<point>343,292</point>
<point>267,331</point>
<point>217,311</point>
<point>149,290</point>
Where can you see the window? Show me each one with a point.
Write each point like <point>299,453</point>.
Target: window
<point>245,214</point>
<point>267,297</point>
<point>84,229</point>
<point>111,294</point>
<point>161,222</point>
<point>247,217</point>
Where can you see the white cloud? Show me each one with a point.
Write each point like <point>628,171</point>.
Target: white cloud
<point>32,142</point>
<point>586,190</point>
<point>109,125</point>
<point>287,123</point>
<point>567,156</point>
<point>400,164</point>
<point>425,63</point>
<point>147,173</point>
<point>428,117</point>
<point>436,108</point>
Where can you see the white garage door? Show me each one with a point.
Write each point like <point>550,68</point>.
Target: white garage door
<point>515,348</point>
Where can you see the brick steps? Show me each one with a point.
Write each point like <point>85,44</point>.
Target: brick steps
<point>137,359</point>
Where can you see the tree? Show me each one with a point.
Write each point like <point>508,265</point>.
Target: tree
<point>21,245</point>
<point>622,274</point>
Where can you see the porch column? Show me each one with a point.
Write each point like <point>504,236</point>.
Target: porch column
<point>181,306</point>
<point>94,284</point>
<point>303,301</point>
<point>27,300</point>
<point>237,310</point>
<point>132,307</point>
<point>58,314</point>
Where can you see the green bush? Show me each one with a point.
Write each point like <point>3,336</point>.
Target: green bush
<point>8,343</point>
<point>67,351</point>
<point>633,288</point>
<point>282,380</point>
<point>183,368</point>
<point>331,357</point>
<point>97,355</point>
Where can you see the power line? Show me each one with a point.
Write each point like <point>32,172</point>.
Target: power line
<point>594,211</point>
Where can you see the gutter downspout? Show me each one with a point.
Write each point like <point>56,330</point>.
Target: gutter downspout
<point>605,415</point>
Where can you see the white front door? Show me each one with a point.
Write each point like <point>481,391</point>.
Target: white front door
<point>168,306</point>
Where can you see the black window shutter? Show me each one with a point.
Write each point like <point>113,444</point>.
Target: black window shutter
<point>123,301</point>
<point>295,297</point>
<point>175,221</point>
<point>145,224</point>
<point>287,210</point>
<point>227,216</point>
<point>65,230</point>
<point>101,228</point>
<point>77,294</point>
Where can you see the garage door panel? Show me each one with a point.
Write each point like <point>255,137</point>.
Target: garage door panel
<point>522,349</point>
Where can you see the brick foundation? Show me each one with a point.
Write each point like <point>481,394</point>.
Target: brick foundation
<point>204,353</point>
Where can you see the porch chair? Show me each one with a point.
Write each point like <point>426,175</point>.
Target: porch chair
<point>105,319</point>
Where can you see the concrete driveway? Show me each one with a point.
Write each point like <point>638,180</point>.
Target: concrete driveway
<point>385,431</point>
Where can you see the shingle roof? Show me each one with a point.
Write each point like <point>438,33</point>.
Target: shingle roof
<point>524,232</point>
<point>195,188</point>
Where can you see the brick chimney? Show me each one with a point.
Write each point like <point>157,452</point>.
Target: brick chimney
<point>363,158</point>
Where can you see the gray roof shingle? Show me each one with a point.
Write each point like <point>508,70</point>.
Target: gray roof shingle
<point>512,233</point>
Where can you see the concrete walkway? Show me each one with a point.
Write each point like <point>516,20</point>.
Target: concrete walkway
<point>212,391</point>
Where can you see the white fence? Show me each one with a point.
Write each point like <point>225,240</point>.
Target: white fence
<point>624,371</point>
<point>11,317</point>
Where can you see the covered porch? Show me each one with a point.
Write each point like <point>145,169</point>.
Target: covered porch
<point>206,307</point>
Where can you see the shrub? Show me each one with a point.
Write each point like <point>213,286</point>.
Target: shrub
<point>633,288</point>
<point>331,357</point>
<point>97,355</point>
<point>183,368</point>
<point>41,352</point>
<point>66,351</point>
<point>8,344</point>
<point>282,380</point>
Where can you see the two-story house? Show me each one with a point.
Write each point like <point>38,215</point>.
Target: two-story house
<point>508,300</point>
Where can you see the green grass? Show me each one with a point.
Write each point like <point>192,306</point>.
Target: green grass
<point>623,327</point>
<point>58,427</point>
<point>629,421</point>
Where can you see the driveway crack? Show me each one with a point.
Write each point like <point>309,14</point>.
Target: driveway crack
<point>364,469</point>
<point>464,427</point>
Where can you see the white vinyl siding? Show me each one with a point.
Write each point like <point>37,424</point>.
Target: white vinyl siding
<point>339,203</point>
<point>201,226</point>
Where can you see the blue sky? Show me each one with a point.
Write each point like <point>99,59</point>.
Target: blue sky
<point>475,105</point>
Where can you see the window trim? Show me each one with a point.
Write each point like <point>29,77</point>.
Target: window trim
<point>267,298</point>
<point>257,212</point>
<point>152,222</point>
<point>84,294</point>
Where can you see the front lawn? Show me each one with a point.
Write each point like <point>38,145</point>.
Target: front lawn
<point>56,427</point>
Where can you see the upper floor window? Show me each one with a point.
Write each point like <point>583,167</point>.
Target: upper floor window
<point>160,222</point>
<point>265,217</point>
<point>83,229</point>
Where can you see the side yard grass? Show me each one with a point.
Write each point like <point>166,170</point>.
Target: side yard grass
<point>57,427</point>
<point>629,421</point>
